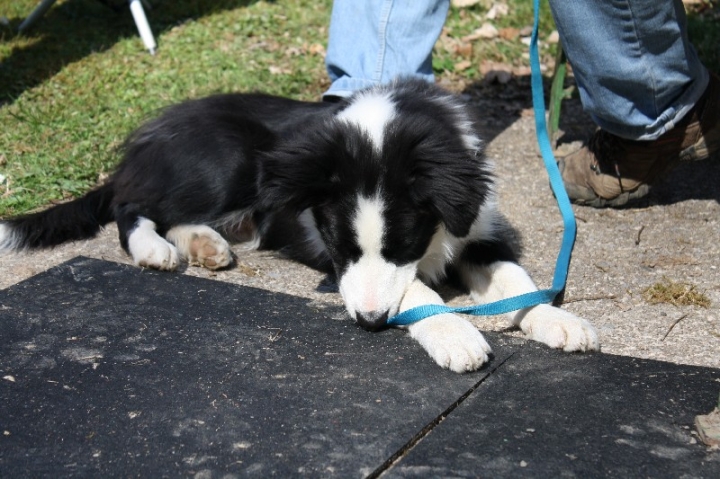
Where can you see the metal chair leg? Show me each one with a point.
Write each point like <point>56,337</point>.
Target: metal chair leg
<point>35,15</point>
<point>136,9</point>
<point>142,25</point>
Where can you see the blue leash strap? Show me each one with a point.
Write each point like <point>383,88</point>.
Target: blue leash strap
<point>556,184</point>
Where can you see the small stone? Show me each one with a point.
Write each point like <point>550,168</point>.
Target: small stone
<point>462,65</point>
<point>497,10</point>
<point>708,427</point>
<point>486,31</point>
<point>464,3</point>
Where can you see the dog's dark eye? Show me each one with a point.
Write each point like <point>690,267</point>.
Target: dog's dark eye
<point>337,234</point>
<point>408,237</point>
<point>401,254</point>
<point>342,253</point>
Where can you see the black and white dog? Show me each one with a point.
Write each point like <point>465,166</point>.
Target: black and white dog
<point>389,189</point>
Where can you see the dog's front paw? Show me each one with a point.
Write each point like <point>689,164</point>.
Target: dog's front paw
<point>560,329</point>
<point>452,342</point>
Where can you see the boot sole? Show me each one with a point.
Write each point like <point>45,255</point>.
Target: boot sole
<point>622,199</point>
<point>586,197</point>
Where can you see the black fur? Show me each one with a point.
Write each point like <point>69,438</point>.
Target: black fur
<point>65,222</point>
<point>270,159</point>
<point>199,161</point>
<point>389,189</point>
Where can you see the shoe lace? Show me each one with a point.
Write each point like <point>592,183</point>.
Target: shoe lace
<point>605,149</point>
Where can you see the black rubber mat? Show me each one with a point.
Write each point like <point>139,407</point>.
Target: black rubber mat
<point>549,414</point>
<point>110,370</point>
<point>113,370</point>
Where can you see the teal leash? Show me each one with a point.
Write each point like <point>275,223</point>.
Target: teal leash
<point>556,184</point>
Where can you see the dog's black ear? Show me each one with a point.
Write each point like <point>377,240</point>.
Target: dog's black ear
<point>298,173</point>
<point>453,182</point>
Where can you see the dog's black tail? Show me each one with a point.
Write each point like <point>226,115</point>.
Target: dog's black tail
<point>76,220</point>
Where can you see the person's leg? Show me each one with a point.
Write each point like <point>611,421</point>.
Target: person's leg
<point>635,67</point>
<point>642,82</point>
<point>374,41</point>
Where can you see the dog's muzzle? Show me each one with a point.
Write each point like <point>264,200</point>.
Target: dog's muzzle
<point>372,320</point>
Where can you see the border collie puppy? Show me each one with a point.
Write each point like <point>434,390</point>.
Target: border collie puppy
<point>388,189</point>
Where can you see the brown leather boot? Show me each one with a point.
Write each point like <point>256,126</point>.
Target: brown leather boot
<point>611,171</point>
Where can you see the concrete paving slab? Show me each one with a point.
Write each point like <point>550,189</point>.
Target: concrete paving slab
<point>549,414</point>
<point>108,369</point>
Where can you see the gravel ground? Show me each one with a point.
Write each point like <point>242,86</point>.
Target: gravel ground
<point>619,252</point>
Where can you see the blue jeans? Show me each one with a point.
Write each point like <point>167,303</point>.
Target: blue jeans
<point>635,68</point>
<point>373,41</point>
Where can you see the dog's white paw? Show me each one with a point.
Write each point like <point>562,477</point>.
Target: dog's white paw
<point>560,329</point>
<point>158,256</point>
<point>452,342</point>
<point>148,249</point>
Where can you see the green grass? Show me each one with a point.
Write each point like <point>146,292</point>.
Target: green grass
<point>80,81</point>
<point>462,22</point>
<point>74,86</point>
<point>704,31</point>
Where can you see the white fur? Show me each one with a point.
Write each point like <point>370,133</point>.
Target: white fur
<point>442,250</point>
<point>201,245</point>
<point>444,247</point>
<point>453,342</point>
<point>371,112</point>
<point>8,239</point>
<point>373,284</point>
<point>149,249</point>
<point>369,224</point>
<point>544,323</point>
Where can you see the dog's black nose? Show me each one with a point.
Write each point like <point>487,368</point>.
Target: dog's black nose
<point>372,320</point>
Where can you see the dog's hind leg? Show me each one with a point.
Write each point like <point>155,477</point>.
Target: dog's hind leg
<point>201,245</point>
<point>149,249</point>
<point>544,323</point>
<point>139,237</point>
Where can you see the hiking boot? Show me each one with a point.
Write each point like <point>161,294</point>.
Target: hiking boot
<point>612,171</point>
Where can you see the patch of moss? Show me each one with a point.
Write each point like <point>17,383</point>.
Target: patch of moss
<point>675,293</point>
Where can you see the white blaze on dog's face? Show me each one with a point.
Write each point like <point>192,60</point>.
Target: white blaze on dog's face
<point>371,286</point>
<point>375,242</point>
<point>371,113</point>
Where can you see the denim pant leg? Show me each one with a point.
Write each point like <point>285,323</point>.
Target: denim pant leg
<point>373,41</point>
<point>635,68</point>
